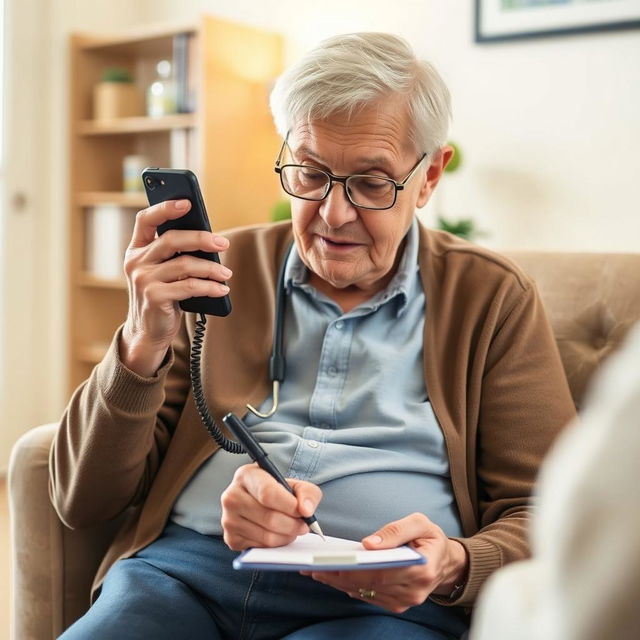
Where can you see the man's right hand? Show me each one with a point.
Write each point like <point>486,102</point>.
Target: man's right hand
<point>158,279</point>
<point>258,512</point>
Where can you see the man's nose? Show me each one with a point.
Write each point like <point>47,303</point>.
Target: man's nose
<point>336,209</point>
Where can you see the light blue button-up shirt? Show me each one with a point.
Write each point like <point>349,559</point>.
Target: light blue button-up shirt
<point>354,416</point>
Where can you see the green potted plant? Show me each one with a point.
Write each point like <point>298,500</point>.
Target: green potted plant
<point>281,210</point>
<point>462,227</point>
<point>116,95</point>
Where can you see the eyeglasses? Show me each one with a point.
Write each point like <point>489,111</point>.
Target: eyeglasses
<point>365,191</point>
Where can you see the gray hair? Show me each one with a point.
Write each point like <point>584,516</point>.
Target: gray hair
<point>347,72</point>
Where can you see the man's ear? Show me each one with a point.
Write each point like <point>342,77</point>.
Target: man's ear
<point>441,159</point>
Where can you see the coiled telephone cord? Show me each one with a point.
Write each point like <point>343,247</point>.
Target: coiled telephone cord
<point>198,393</point>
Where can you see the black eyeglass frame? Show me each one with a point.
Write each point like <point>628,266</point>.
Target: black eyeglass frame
<point>343,180</point>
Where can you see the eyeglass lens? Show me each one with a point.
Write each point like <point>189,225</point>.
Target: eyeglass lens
<point>313,184</point>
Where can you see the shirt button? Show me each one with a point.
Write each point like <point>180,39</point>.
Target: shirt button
<point>332,371</point>
<point>339,324</point>
<point>313,444</point>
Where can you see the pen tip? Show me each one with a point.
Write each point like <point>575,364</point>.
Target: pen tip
<point>315,528</point>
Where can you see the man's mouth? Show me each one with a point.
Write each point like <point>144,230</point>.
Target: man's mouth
<point>338,243</point>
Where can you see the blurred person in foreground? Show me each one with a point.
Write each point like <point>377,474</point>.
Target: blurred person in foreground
<point>583,581</point>
<point>423,387</point>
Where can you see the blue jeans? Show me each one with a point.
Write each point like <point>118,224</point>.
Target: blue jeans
<point>183,586</point>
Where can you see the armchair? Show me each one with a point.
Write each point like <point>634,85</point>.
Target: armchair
<point>591,299</point>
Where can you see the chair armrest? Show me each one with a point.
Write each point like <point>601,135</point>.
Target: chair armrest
<point>53,566</point>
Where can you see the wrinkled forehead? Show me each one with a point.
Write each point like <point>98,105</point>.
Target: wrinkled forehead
<point>380,130</point>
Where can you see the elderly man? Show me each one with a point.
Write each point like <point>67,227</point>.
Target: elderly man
<point>422,389</point>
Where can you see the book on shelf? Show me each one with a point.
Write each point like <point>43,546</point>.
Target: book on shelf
<point>183,149</point>
<point>109,228</point>
<point>183,72</point>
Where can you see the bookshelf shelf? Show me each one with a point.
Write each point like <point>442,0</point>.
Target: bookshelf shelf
<point>122,198</point>
<point>137,41</point>
<point>93,353</point>
<point>137,124</point>
<point>87,279</point>
<point>228,135</point>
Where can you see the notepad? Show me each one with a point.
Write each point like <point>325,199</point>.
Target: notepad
<point>335,554</point>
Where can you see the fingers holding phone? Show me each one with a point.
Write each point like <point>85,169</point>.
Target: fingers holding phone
<point>178,257</point>
<point>160,274</point>
<point>172,262</point>
<point>178,185</point>
<point>148,220</point>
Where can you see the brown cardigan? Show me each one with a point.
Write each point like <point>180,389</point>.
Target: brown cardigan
<point>491,365</point>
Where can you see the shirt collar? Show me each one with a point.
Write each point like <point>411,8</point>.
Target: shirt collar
<point>402,285</point>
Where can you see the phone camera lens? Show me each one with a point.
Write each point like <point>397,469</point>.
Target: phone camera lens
<point>151,183</point>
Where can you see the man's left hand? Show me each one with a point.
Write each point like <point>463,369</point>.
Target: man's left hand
<point>399,589</point>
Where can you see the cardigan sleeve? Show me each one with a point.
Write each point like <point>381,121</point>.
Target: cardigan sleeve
<point>113,435</point>
<point>524,402</point>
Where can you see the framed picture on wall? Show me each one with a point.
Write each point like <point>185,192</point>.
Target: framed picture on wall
<point>514,19</point>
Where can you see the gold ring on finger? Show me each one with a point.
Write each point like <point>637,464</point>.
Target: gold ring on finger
<point>367,593</point>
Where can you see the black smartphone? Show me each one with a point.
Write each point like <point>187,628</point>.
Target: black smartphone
<point>178,184</point>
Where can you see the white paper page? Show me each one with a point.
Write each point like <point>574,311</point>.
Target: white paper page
<point>311,549</point>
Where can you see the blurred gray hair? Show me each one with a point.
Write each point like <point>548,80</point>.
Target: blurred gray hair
<point>347,72</point>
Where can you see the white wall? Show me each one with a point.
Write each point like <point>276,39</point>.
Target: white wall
<point>33,342</point>
<point>25,246</point>
<point>548,127</point>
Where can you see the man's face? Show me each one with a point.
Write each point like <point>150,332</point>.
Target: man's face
<point>343,245</point>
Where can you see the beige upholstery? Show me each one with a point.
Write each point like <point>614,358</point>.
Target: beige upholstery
<point>53,566</point>
<point>592,300</point>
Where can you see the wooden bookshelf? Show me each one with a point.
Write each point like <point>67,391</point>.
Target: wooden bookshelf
<point>139,124</point>
<point>229,135</point>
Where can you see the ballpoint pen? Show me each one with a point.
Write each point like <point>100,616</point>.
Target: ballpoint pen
<point>241,432</point>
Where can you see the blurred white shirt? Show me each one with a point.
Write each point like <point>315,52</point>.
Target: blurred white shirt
<point>583,582</point>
